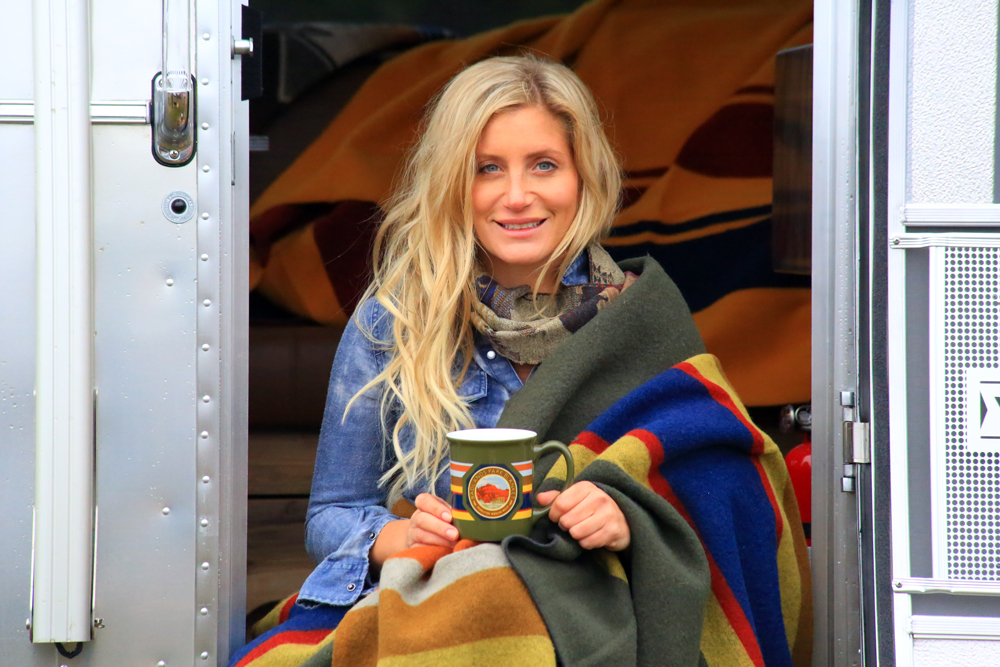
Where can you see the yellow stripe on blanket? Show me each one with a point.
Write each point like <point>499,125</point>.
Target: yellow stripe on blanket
<point>456,489</point>
<point>461,514</point>
<point>719,643</point>
<point>522,514</point>
<point>501,650</point>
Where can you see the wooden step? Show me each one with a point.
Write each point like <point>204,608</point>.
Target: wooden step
<point>281,462</point>
<point>277,562</point>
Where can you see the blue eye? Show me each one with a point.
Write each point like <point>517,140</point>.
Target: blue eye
<point>489,169</point>
<point>546,166</point>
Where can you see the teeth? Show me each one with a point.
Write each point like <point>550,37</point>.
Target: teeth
<point>529,225</point>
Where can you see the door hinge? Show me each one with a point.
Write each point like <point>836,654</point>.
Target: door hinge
<point>857,441</point>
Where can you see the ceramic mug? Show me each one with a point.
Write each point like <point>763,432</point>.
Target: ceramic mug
<point>492,479</point>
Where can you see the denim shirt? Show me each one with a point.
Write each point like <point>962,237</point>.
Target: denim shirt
<point>347,505</point>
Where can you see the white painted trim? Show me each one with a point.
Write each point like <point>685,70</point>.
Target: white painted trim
<point>950,215</point>
<point>935,338</point>
<point>920,585</point>
<point>896,312</point>
<point>101,113</point>
<point>62,586</point>
<point>904,241</point>
<point>955,627</point>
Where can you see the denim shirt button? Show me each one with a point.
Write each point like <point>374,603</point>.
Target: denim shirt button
<point>371,536</point>
<point>351,587</point>
<point>491,355</point>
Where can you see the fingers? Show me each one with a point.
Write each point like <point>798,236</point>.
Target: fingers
<point>431,523</point>
<point>591,517</point>
<point>545,498</point>
<point>434,505</point>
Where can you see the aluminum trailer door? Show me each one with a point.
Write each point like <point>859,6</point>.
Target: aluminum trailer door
<point>124,329</point>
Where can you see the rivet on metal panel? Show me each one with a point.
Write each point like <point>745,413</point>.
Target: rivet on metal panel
<point>161,663</point>
<point>204,82</point>
<point>204,258</point>
<point>206,398</point>
<point>174,155</point>
<point>99,623</point>
<point>204,611</point>
<point>170,282</point>
<point>899,584</point>
<point>204,216</point>
<point>895,241</point>
<point>204,435</point>
<point>207,302</point>
<point>166,511</point>
<point>27,625</point>
<point>205,565</point>
<point>204,126</point>
<point>206,347</point>
<point>206,479</point>
<point>204,523</point>
<point>206,169</point>
<point>204,655</point>
<point>206,37</point>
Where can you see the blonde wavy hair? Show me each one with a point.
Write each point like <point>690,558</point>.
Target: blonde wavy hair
<point>425,254</point>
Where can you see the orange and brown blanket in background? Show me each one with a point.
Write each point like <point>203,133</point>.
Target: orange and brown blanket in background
<point>687,90</point>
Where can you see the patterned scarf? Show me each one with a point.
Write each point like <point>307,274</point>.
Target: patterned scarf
<point>525,330</point>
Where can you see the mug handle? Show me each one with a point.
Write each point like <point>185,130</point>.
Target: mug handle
<point>554,445</point>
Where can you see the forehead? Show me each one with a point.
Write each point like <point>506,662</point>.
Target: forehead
<point>524,129</point>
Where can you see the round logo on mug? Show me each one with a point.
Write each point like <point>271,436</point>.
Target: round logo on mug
<point>492,492</point>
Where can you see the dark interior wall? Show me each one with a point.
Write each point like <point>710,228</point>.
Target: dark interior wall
<point>462,17</point>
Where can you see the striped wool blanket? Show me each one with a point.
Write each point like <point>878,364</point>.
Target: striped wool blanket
<point>687,92</point>
<point>717,572</point>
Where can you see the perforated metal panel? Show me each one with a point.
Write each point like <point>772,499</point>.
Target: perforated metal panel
<point>965,292</point>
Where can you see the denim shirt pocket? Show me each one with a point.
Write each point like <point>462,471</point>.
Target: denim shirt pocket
<point>473,387</point>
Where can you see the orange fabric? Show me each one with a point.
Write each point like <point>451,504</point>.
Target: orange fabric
<point>686,90</point>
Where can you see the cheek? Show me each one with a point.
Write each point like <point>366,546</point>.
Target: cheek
<point>482,200</point>
<point>568,196</point>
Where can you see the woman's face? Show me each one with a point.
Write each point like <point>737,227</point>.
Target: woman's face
<point>524,195</point>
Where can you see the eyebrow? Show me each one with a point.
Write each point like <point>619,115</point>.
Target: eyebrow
<point>531,156</point>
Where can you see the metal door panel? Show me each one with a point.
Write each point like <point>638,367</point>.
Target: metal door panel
<point>145,347</point>
<point>126,49</point>
<point>17,82</point>
<point>951,101</point>
<point>17,382</point>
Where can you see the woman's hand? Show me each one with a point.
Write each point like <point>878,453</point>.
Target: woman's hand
<point>431,524</point>
<point>590,515</point>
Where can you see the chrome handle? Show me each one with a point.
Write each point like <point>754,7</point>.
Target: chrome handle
<point>173,90</point>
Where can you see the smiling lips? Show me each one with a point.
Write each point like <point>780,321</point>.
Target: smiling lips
<point>514,225</point>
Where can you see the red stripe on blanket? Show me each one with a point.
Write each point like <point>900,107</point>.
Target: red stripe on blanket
<point>304,637</point>
<point>734,612</point>
<point>592,441</point>
<point>286,609</point>
<point>720,587</point>
<point>722,397</point>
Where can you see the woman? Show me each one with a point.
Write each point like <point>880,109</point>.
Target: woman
<point>488,258</point>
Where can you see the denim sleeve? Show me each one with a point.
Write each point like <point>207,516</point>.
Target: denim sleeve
<point>347,505</point>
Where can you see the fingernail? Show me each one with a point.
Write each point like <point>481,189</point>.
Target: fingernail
<point>453,534</point>
<point>446,516</point>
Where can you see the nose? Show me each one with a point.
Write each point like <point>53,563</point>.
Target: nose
<point>518,195</point>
